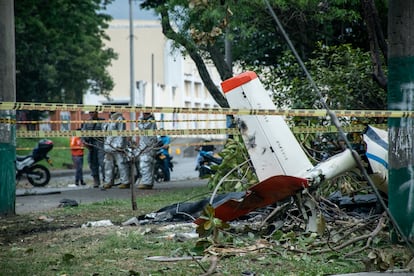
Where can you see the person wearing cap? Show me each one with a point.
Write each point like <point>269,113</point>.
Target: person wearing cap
<point>114,147</point>
<point>95,148</point>
<point>146,148</point>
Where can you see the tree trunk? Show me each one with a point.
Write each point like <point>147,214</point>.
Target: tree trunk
<point>377,43</point>
<point>193,52</point>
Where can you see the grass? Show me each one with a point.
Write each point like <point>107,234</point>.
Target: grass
<point>32,245</point>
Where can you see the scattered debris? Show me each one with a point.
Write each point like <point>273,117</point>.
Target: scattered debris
<point>360,203</point>
<point>68,203</point>
<point>179,226</point>
<point>182,211</point>
<point>173,259</point>
<point>45,218</point>
<point>131,221</point>
<point>99,223</point>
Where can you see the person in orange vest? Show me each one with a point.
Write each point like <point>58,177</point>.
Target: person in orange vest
<point>77,148</point>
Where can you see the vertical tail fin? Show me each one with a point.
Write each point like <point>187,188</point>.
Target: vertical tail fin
<point>271,144</point>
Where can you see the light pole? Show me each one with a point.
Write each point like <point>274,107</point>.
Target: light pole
<point>152,81</point>
<point>7,94</point>
<point>131,65</point>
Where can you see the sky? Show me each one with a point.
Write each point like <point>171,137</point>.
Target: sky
<point>119,9</point>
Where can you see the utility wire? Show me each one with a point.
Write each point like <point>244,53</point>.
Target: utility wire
<point>337,124</point>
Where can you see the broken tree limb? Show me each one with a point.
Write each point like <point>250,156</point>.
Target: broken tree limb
<point>370,236</point>
<point>213,266</point>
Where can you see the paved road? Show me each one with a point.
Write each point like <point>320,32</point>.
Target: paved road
<point>61,186</point>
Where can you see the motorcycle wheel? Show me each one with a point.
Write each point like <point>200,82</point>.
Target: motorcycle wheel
<point>158,174</point>
<point>38,175</point>
<point>204,171</point>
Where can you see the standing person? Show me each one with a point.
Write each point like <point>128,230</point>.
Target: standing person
<point>95,148</point>
<point>114,147</point>
<point>166,140</point>
<point>146,148</point>
<point>77,147</point>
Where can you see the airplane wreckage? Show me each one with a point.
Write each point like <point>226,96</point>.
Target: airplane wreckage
<point>280,163</point>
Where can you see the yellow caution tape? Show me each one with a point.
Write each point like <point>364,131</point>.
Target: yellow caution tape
<point>228,111</point>
<point>9,121</point>
<point>178,132</point>
<point>125,133</point>
<point>333,129</point>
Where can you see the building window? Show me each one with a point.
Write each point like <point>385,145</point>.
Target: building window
<point>197,88</point>
<point>187,88</point>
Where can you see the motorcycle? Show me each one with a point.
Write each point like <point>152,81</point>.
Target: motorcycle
<point>205,160</point>
<point>37,174</point>
<point>159,175</point>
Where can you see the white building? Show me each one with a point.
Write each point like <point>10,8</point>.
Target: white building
<point>162,77</point>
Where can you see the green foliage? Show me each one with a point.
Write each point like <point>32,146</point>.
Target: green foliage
<point>210,225</point>
<point>251,29</point>
<point>342,74</point>
<point>330,35</point>
<point>60,53</point>
<point>235,173</point>
<point>349,184</point>
<point>306,22</point>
